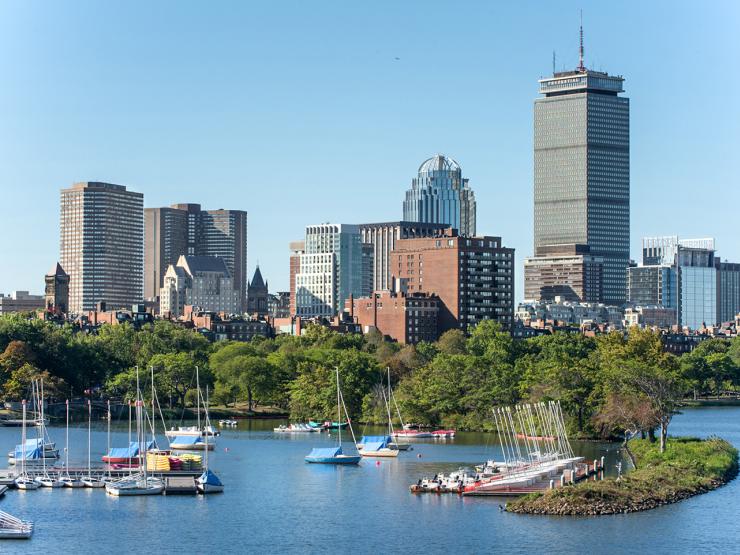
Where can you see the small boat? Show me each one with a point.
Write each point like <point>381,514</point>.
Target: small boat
<point>196,431</point>
<point>17,422</point>
<point>70,482</point>
<point>443,434</point>
<point>191,443</point>
<point>534,438</point>
<point>335,455</point>
<point>26,483</point>
<point>23,481</point>
<point>92,482</point>
<point>208,482</point>
<point>47,481</point>
<point>12,528</point>
<point>411,434</point>
<point>295,428</point>
<point>331,455</point>
<point>126,455</point>
<point>376,446</point>
<point>137,485</point>
<point>336,425</point>
<point>227,422</point>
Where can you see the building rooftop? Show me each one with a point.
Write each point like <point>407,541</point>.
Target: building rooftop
<point>195,264</point>
<point>439,162</point>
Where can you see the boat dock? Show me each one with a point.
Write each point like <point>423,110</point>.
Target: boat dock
<point>8,476</point>
<point>180,485</point>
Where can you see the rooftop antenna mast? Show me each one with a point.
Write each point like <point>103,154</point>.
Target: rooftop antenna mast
<point>553,62</point>
<point>581,67</point>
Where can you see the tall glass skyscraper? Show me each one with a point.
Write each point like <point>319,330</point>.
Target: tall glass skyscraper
<point>440,195</point>
<point>582,170</point>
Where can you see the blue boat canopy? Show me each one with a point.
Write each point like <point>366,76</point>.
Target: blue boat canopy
<point>186,440</point>
<point>29,453</point>
<point>128,452</point>
<point>385,440</point>
<point>324,452</point>
<point>209,478</point>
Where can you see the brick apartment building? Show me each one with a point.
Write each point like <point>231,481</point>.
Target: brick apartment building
<point>406,318</point>
<point>472,276</point>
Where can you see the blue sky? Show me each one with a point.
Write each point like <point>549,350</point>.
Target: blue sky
<point>300,113</point>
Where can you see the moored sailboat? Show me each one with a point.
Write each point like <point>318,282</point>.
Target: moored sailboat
<point>335,455</point>
<point>67,480</point>
<point>23,481</point>
<point>208,482</point>
<point>88,480</point>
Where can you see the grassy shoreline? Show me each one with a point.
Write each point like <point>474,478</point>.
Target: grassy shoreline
<point>689,467</point>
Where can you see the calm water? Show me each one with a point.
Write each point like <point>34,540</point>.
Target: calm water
<point>274,502</point>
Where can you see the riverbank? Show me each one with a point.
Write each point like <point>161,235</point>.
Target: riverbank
<point>689,467</point>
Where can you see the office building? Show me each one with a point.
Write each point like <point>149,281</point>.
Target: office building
<point>440,195</point>
<point>203,282</point>
<point>101,245</point>
<point>728,291</point>
<point>582,170</point>
<point>56,293</point>
<point>278,304</point>
<point>566,271</point>
<point>187,229</point>
<point>653,286</point>
<point>405,318</point>
<point>333,266</point>
<point>382,238</point>
<point>472,276</point>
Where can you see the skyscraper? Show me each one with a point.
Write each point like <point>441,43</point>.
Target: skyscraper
<point>101,245</point>
<point>332,267</point>
<point>440,195</point>
<point>186,229</point>
<point>582,170</point>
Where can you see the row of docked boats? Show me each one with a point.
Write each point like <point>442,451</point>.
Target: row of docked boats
<point>535,449</point>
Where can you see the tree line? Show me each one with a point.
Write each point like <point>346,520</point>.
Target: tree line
<point>612,384</point>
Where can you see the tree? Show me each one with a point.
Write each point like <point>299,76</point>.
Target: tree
<point>174,376</point>
<point>630,413</point>
<point>452,342</point>
<point>18,385</point>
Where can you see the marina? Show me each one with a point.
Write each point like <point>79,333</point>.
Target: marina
<point>258,496</point>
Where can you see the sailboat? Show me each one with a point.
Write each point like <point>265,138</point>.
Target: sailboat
<point>45,480</point>
<point>191,438</point>
<point>139,483</point>
<point>380,446</point>
<point>24,481</point>
<point>335,455</point>
<point>47,448</point>
<point>67,480</point>
<point>88,480</point>
<point>208,482</point>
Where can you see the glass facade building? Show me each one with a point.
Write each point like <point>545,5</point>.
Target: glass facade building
<point>582,171</point>
<point>729,291</point>
<point>440,195</point>
<point>333,266</point>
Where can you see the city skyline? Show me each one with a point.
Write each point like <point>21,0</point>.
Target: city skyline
<point>251,166</point>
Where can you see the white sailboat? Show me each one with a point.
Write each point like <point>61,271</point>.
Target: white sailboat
<point>197,430</point>
<point>67,480</point>
<point>208,482</point>
<point>24,481</point>
<point>45,480</point>
<point>140,483</point>
<point>89,481</point>
<point>191,438</point>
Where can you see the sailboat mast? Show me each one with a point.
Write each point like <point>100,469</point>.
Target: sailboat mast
<point>154,437</point>
<point>339,411</point>
<point>66,441</point>
<point>207,427</point>
<point>89,424</point>
<point>23,442</point>
<point>109,438</point>
<point>388,403</point>
<point>197,400</point>
<point>43,427</point>
<point>140,427</point>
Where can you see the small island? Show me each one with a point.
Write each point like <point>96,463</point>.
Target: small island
<point>687,467</point>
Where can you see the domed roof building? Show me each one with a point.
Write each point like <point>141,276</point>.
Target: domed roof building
<point>440,194</point>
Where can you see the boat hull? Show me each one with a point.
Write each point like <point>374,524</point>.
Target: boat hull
<point>26,484</point>
<point>193,447</point>
<point>343,459</point>
<point>93,483</point>
<point>386,453</point>
<point>126,492</point>
<point>210,488</point>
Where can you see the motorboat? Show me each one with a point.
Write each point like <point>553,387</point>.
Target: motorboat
<point>443,434</point>
<point>191,443</point>
<point>196,431</point>
<point>227,422</point>
<point>411,434</point>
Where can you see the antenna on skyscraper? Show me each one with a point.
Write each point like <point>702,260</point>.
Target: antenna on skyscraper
<point>553,62</point>
<point>581,67</point>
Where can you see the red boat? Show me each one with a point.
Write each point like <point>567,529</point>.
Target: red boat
<point>443,434</point>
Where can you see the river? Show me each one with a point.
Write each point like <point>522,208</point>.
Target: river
<point>276,503</point>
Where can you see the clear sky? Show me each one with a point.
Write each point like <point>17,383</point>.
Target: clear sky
<point>306,112</point>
